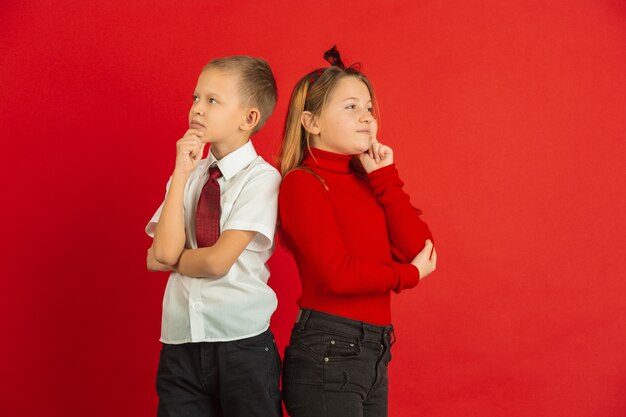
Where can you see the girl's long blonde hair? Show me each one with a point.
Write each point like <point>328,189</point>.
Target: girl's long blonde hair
<point>310,94</point>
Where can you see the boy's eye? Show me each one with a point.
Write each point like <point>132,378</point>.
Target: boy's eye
<point>351,106</point>
<point>369,109</point>
<point>195,98</point>
<point>212,100</point>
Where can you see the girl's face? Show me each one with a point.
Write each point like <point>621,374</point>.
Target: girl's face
<point>346,124</point>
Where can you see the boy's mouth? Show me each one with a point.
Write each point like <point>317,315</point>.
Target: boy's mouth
<point>194,124</point>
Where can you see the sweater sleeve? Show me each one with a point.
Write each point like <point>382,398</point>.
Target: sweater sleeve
<point>407,231</point>
<point>310,231</point>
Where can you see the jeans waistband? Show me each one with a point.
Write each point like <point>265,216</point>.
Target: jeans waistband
<point>324,321</point>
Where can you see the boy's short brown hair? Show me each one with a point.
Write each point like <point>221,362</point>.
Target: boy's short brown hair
<point>257,84</point>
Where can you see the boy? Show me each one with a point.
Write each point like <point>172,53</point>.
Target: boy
<point>215,232</point>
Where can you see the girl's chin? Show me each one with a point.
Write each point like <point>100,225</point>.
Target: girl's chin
<point>362,149</point>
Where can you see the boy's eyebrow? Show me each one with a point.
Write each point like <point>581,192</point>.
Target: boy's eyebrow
<point>208,94</point>
<point>355,98</point>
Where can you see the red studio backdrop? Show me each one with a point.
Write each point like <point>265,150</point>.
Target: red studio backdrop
<point>508,121</point>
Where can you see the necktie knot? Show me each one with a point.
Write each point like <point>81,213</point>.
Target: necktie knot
<point>214,173</point>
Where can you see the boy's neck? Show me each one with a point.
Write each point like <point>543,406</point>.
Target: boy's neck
<point>223,148</point>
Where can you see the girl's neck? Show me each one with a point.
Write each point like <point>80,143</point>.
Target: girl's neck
<point>327,160</point>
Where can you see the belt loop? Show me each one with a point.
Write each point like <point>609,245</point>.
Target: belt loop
<point>392,336</point>
<point>303,317</point>
<point>363,332</point>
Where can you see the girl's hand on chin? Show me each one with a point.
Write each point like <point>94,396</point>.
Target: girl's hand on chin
<point>377,156</point>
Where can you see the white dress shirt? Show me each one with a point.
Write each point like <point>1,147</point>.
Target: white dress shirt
<point>238,304</point>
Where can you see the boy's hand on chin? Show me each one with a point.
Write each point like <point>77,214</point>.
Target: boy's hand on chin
<point>189,151</point>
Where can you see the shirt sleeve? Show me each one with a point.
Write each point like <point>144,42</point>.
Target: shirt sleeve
<point>407,231</point>
<point>151,226</point>
<point>310,230</point>
<point>256,208</point>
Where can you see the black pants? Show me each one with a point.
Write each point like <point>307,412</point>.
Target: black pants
<point>335,366</point>
<point>210,379</point>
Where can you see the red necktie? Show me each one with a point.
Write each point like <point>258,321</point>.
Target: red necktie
<point>208,211</point>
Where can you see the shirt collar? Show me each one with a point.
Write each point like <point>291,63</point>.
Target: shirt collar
<point>235,161</point>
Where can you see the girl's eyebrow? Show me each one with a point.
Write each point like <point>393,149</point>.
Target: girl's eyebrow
<point>355,98</point>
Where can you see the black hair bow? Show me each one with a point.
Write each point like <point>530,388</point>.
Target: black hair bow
<point>333,57</point>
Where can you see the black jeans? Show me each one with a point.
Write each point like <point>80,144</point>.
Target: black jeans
<point>335,366</point>
<point>210,379</point>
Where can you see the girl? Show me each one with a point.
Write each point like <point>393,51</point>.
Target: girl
<point>355,238</point>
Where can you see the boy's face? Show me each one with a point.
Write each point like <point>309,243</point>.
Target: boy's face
<point>217,109</point>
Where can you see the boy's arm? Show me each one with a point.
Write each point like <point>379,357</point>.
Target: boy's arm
<point>216,260</point>
<point>250,224</point>
<point>169,234</point>
<point>153,265</point>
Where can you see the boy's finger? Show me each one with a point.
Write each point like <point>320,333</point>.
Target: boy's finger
<point>200,152</point>
<point>433,257</point>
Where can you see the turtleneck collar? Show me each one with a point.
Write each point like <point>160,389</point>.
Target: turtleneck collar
<point>328,161</point>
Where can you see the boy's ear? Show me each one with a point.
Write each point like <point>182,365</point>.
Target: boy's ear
<point>310,122</point>
<point>252,119</point>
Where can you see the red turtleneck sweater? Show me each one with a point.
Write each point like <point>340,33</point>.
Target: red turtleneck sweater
<point>352,243</point>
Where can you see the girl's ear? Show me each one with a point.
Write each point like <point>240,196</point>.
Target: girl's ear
<point>310,122</point>
<point>252,119</point>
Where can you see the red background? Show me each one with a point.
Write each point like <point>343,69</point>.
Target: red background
<point>508,124</point>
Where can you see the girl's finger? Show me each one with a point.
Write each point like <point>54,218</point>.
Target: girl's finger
<point>382,151</point>
<point>376,150</point>
<point>387,152</point>
<point>372,145</point>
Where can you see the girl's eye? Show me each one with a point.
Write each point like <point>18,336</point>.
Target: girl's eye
<point>195,99</point>
<point>351,106</point>
<point>212,100</point>
<point>369,109</point>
